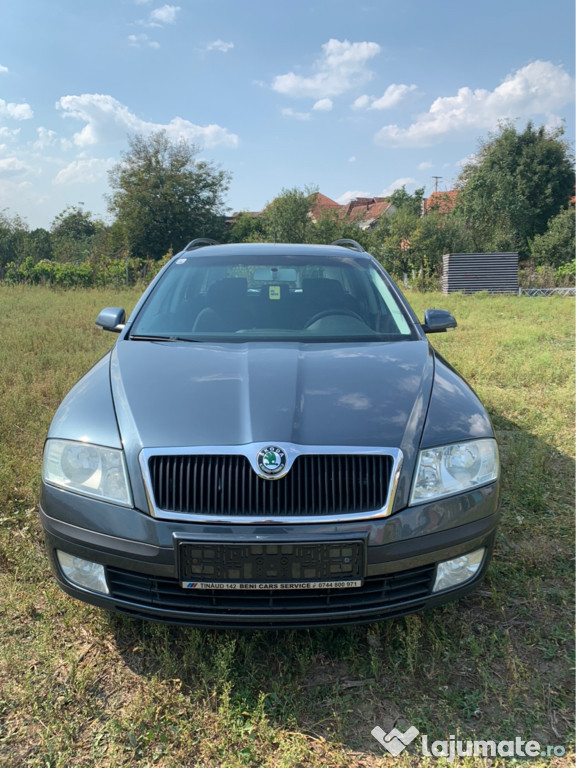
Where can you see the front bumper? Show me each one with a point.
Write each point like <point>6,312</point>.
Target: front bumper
<point>138,553</point>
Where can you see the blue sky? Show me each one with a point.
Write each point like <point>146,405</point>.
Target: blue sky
<point>355,99</point>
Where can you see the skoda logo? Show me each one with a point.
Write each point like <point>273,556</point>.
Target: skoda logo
<point>271,460</point>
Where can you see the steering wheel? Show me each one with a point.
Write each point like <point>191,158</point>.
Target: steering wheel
<point>332,312</point>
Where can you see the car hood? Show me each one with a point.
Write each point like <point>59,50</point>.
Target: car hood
<point>171,394</point>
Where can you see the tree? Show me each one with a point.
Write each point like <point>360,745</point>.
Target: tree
<point>401,199</point>
<point>513,187</point>
<point>13,230</point>
<point>556,246</point>
<point>393,239</point>
<point>74,223</point>
<point>287,219</point>
<point>435,235</point>
<point>246,228</point>
<point>163,196</point>
<point>394,235</point>
<point>72,234</point>
<point>328,228</point>
<point>36,245</point>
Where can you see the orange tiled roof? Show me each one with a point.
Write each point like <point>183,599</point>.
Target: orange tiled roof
<point>323,204</point>
<point>365,209</point>
<point>443,202</point>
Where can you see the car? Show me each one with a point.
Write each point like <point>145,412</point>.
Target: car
<point>272,442</point>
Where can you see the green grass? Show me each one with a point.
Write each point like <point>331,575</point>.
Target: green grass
<point>80,687</point>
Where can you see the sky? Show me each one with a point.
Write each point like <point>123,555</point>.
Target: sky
<point>354,99</point>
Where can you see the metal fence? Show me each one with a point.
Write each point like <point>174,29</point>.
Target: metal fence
<point>546,291</point>
<point>473,272</point>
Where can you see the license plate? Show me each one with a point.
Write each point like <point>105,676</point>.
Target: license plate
<point>277,566</point>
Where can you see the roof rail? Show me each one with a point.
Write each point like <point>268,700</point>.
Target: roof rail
<point>352,244</point>
<point>199,242</point>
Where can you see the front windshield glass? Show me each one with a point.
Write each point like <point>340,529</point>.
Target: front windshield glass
<point>269,298</point>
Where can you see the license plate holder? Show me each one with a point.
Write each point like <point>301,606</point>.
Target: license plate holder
<point>290,565</point>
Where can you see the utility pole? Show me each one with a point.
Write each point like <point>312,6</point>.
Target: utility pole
<point>436,180</point>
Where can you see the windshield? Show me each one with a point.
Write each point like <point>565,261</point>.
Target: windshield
<point>272,298</point>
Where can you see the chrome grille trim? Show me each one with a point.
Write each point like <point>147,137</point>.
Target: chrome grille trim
<point>327,459</point>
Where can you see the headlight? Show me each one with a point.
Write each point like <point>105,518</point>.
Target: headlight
<point>88,469</point>
<point>450,469</point>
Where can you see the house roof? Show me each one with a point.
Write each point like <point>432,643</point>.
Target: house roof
<point>323,204</point>
<point>366,208</point>
<point>363,211</point>
<point>443,202</point>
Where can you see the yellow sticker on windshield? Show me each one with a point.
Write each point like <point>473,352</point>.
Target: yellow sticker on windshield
<point>273,292</point>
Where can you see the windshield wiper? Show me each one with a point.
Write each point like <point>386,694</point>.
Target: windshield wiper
<point>148,337</point>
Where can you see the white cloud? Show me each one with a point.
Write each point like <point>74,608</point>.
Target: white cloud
<point>351,195</point>
<point>83,171</point>
<point>15,111</point>
<point>391,97</point>
<point>398,184</point>
<point>288,112</point>
<point>425,166</point>
<point>166,14</point>
<point>352,159</point>
<point>11,166</point>
<point>46,138</point>
<point>341,66</point>
<point>323,105</point>
<point>362,102</point>
<point>9,133</point>
<point>539,88</point>
<point>3,69</point>
<point>142,40</point>
<point>108,120</point>
<point>220,45</point>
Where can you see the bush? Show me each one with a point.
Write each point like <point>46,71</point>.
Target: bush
<point>95,273</point>
<point>546,276</point>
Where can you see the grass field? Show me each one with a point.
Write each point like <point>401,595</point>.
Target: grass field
<point>79,687</point>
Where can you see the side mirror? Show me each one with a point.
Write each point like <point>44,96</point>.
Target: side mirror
<point>438,321</point>
<point>111,319</point>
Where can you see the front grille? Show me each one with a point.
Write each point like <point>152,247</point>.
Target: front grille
<point>226,485</point>
<point>384,593</point>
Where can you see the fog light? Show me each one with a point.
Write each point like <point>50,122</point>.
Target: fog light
<point>451,573</point>
<point>83,573</point>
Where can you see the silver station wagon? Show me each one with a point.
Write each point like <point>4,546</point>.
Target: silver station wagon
<point>271,442</point>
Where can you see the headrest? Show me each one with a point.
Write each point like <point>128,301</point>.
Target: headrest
<point>319,288</point>
<point>228,289</point>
